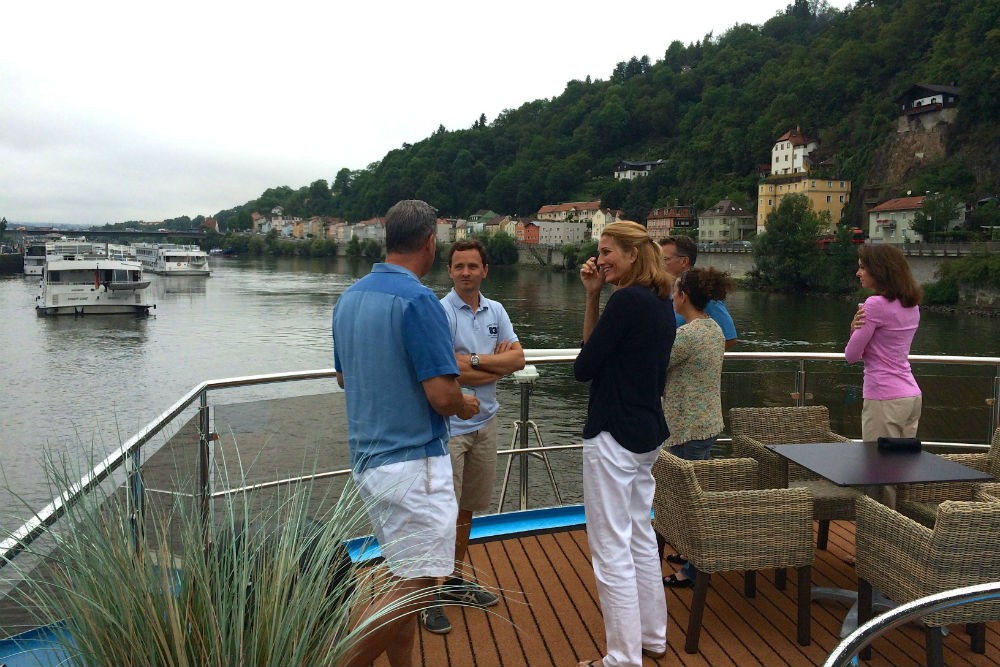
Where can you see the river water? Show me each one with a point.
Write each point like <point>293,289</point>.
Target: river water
<point>83,385</point>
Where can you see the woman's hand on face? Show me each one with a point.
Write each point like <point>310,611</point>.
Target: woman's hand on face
<point>859,318</point>
<point>590,276</point>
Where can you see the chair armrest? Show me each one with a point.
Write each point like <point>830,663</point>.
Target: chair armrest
<point>773,470</point>
<point>727,474</point>
<point>830,436</point>
<point>892,549</point>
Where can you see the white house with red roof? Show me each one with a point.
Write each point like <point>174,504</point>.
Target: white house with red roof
<point>578,211</point>
<point>790,153</point>
<point>892,220</point>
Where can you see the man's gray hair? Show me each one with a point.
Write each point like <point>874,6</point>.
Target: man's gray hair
<point>408,224</point>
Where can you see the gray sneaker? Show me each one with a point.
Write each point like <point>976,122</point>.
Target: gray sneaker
<point>468,593</point>
<point>434,620</point>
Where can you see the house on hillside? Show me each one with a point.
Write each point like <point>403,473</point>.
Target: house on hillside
<point>627,170</point>
<point>482,216</point>
<point>790,153</point>
<point>602,218</point>
<point>924,106</point>
<point>892,220</point>
<point>824,194</point>
<point>526,232</point>
<point>372,229</point>
<point>724,222</point>
<point>558,233</point>
<point>446,230</point>
<point>580,211</point>
<point>663,222</point>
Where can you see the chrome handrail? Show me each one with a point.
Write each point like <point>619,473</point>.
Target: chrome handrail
<point>846,652</point>
<point>128,451</point>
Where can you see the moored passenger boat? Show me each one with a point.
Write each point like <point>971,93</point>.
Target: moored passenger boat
<point>89,282</point>
<point>173,259</point>
<point>34,258</point>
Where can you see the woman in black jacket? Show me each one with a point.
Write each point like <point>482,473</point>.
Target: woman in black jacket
<point>624,355</point>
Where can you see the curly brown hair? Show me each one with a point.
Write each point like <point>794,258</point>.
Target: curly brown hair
<point>703,285</point>
<point>891,273</point>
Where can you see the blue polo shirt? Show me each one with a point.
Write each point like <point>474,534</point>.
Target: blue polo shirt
<point>390,334</point>
<point>477,332</point>
<point>717,311</point>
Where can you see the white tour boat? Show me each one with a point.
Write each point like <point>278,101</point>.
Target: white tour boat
<point>86,281</point>
<point>171,259</point>
<point>34,257</point>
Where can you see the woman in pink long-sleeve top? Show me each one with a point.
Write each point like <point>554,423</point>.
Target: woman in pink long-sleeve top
<point>881,334</point>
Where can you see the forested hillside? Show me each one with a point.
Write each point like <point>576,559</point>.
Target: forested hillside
<point>711,110</point>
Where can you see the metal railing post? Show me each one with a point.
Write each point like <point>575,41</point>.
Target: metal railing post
<point>996,405</point>
<point>137,504</point>
<point>205,457</point>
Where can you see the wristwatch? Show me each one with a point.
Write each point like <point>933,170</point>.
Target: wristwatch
<point>474,360</point>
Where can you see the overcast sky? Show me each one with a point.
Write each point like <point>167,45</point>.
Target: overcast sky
<point>115,111</point>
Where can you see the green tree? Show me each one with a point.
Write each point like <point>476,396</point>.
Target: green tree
<point>501,249</point>
<point>786,254</point>
<point>936,217</point>
<point>354,247</point>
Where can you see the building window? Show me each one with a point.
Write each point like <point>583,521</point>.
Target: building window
<point>841,199</point>
<point>770,202</point>
<point>828,198</point>
<point>813,184</point>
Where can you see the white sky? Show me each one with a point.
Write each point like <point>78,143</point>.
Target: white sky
<point>114,111</point>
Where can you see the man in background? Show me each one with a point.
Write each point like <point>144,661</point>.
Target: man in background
<point>679,254</point>
<point>486,349</point>
<point>393,357</point>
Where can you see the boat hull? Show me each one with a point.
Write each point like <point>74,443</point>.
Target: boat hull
<point>94,309</point>
<point>180,271</point>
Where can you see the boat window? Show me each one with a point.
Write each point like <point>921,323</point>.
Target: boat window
<point>54,276</point>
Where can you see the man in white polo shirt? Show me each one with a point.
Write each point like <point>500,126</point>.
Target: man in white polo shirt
<point>486,349</point>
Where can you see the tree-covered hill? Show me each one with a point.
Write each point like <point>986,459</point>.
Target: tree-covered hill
<point>711,110</point>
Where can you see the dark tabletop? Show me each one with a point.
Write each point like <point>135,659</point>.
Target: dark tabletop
<point>863,464</point>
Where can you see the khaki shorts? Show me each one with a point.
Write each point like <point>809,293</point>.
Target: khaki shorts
<point>474,466</point>
<point>893,418</point>
<point>413,513</point>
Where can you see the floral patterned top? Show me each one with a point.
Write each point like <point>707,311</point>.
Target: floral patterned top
<point>692,403</point>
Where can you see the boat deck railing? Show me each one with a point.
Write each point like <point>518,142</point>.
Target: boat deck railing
<point>847,651</point>
<point>961,410</point>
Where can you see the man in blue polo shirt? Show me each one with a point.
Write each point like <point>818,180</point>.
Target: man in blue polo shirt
<point>679,254</point>
<point>393,357</point>
<point>487,349</point>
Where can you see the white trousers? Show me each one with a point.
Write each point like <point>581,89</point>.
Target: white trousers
<point>617,496</point>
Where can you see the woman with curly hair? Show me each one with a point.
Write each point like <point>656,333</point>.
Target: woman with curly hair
<point>692,400</point>
<point>624,357</point>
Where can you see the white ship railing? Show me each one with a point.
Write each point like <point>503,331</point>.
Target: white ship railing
<point>127,457</point>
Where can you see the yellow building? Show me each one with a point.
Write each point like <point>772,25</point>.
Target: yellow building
<point>823,193</point>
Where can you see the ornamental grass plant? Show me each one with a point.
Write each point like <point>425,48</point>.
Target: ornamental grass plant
<point>273,586</point>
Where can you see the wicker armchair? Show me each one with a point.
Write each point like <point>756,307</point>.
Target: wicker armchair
<point>906,560</point>
<point>752,428</point>
<point>713,514</point>
<point>920,501</point>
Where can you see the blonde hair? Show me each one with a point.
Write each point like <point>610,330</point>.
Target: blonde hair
<point>647,270</point>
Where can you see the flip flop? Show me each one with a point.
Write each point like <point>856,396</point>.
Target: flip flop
<point>596,662</point>
<point>649,653</point>
<point>677,559</point>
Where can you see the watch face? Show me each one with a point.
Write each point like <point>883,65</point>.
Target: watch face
<point>474,360</point>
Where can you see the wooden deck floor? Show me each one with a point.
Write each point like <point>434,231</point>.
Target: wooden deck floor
<point>549,615</point>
